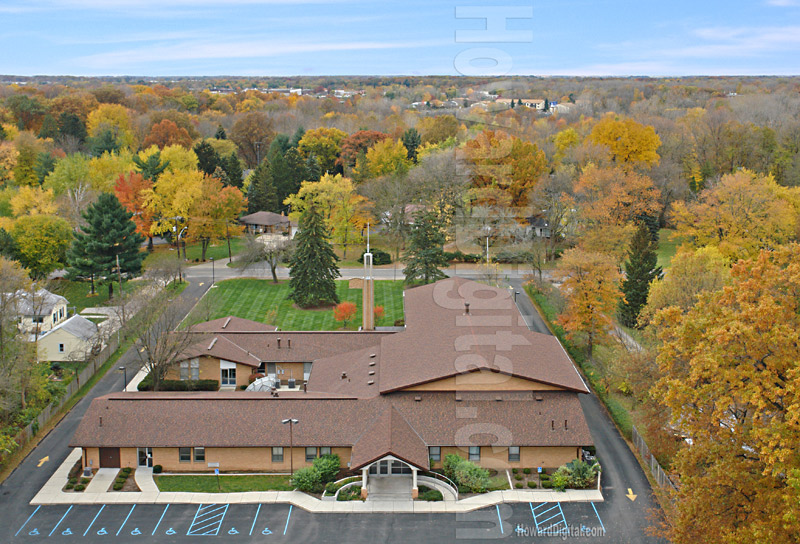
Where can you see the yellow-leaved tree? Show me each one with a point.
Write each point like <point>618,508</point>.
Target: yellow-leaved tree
<point>171,199</point>
<point>731,380</point>
<point>629,143</point>
<point>114,118</point>
<point>741,214</point>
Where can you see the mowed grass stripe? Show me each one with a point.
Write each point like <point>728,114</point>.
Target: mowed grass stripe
<point>255,299</point>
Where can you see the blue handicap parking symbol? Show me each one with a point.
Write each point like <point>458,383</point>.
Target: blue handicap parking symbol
<point>233,531</point>
<point>102,532</point>
<point>136,532</point>
<point>66,532</point>
<point>266,531</point>
<point>170,531</point>
<point>34,532</point>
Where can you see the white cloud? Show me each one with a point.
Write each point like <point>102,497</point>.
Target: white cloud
<point>783,3</point>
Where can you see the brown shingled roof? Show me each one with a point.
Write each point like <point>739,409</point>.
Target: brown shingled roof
<point>254,420</point>
<point>389,433</point>
<point>232,324</point>
<point>221,347</point>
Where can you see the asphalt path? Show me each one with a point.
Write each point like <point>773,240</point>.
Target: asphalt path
<point>618,519</point>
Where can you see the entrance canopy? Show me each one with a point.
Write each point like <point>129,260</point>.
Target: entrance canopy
<point>390,437</point>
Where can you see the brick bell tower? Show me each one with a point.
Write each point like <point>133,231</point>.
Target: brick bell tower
<point>368,292</point>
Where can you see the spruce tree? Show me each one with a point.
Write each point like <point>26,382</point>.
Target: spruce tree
<point>412,141</point>
<point>261,194</point>
<point>425,255</point>
<point>109,232</point>
<point>640,270</point>
<point>313,170</point>
<point>207,157</point>
<point>298,135</point>
<point>220,134</point>
<point>233,167</point>
<point>313,268</point>
<point>152,167</point>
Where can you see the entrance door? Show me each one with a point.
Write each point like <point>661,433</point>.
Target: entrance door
<point>146,457</point>
<point>109,457</point>
<point>228,376</point>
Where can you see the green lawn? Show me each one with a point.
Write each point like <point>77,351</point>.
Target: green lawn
<point>78,295</point>
<point>253,299</point>
<point>667,247</point>
<point>217,250</point>
<point>227,484</point>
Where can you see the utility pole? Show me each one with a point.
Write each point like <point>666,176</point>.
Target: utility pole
<point>121,295</point>
<point>228,237</point>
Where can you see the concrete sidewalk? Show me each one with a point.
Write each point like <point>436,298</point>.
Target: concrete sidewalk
<point>51,493</point>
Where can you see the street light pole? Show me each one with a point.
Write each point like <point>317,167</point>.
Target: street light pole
<point>291,423</point>
<point>212,270</point>
<point>125,377</point>
<point>121,298</point>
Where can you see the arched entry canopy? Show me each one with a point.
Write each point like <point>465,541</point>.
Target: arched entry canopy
<point>389,476</point>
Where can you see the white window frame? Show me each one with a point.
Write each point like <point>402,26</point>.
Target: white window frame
<point>324,450</point>
<point>188,454</point>
<point>435,453</point>
<point>514,457</point>
<point>201,450</point>
<point>474,456</point>
<point>277,454</point>
<point>61,348</point>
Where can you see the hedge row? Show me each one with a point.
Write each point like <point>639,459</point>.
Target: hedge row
<point>179,385</point>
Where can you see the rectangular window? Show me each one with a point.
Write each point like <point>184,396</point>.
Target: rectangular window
<point>324,450</point>
<point>194,367</point>
<point>513,453</point>
<point>435,453</point>
<point>228,376</point>
<point>184,370</point>
<point>199,454</point>
<point>277,454</point>
<point>185,455</point>
<point>61,348</point>
<point>474,453</point>
<point>311,454</point>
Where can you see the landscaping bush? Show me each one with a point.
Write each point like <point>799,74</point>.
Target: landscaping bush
<point>307,479</point>
<point>514,470</point>
<point>327,466</point>
<point>526,470</point>
<point>85,481</point>
<point>532,485</point>
<point>118,486</point>
<point>73,481</point>
<point>519,477</point>
<point>253,377</point>
<point>352,493</point>
<point>547,484</point>
<point>157,469</point>
<point>80,487</point>
<point>126,471</point>
<point>580,473</point>
<point>513,257</point>
<point>69,486</point>
<point>399,322</point>
<point>518,485</point>
<point>120,481</point>
<point>179,385</point>
<point>428,494</point>
<point>473,477</point>
<point>451,461</point>
<point>461,257</point>
<point>379,256</point>
<point>560,479</point>
<point>331,488</point>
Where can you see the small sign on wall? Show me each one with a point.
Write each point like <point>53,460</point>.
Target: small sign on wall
<point>212,465</point>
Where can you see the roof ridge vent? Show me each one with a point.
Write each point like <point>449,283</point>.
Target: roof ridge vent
<point>226,322</point>
<point>370,382</point>
<point>372,363</point>
<point>371,372</point>
<point>214,341</point>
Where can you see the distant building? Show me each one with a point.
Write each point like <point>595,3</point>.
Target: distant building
<point>269,223</point>
<point>40,311</point>
<point>72,340</point>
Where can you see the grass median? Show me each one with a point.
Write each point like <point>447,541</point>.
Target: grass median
<point>227,484</point>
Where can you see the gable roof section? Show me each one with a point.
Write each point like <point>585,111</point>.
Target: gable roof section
<point>78,326</point>
<point>265,219</point>
<point>389,434</point>
<point>219,346</point>
<point>442,339</point>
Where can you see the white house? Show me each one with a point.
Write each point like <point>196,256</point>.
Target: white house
<point>41,310</point>
<point>72,340</point>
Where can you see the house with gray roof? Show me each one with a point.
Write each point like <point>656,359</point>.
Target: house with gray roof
<point>70,340</point>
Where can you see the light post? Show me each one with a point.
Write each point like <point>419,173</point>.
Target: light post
<point>292,422</point>
<point>488,231</point>
<point>212,270</point>
<point>125,377</point>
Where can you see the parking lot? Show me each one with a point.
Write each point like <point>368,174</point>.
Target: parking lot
<point>266,522</point>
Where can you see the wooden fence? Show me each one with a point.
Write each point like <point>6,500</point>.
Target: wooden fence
<point>649,459</point>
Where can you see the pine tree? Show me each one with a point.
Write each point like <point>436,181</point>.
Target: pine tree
<point>412,140</point>
<point>313,268</point>
<point>49,127</point>
<point>220,134</point>
<point>313,170</point>
<point>298,135</point>
<point>640,270</point>
<point>72,125</point>
<point>261,194</point>
<point>207,157</point>
<point>425,255</point>
<point>109,232</point>
<point>152,167</point>
<point>233,168</point>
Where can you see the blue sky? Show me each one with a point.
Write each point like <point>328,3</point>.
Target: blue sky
<point>359,37</point>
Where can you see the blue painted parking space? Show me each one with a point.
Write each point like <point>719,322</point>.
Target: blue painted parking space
<point>548,518</point>
<point>208,520</point>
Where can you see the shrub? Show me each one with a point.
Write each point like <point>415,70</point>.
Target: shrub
<point>546,484</point>
<point>532,485</point>
<point>518,485</point>
<point>331,488</point>
<point>544,476</point>
<point>253,377</point>
<point>513,257</point>
<point>472,477</point>
<point>179,385</point>
<point>120,480</point>
<point>118,486</point>
<point>460,256</point>
<point>430,495</point>
<point>514,470</point>
<point>580,473</point>
<point>73,481</point>
<point>526,470</point>
<point>399,322</point>
<point>352,493</point>
<point>126,471</point>
<point>157,469</point>
<point>80,487</point>
<point>85,481</point>
<point>69,486</point>
<point>327,466</point>
<point>450,463</point>
<point>560,479</point>
<point>518,477</point>
<point>307,479</point>
<point>379,256</point>
<point>242,387</point>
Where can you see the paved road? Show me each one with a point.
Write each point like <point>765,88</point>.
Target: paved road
<point>616,520</point>
<point>19,488</point>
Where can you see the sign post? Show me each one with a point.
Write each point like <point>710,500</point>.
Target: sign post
<point>219,487</point>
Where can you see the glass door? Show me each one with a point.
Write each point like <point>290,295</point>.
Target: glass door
<point>146,457</point>
<point>228,376</point>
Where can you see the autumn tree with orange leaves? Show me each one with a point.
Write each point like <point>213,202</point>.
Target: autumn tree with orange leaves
<point>344,312</point>
<point>731,379</point>
<point>130,193</point>
<point>214,212</point>
<point>591,289</point>
<point>167,133</point>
